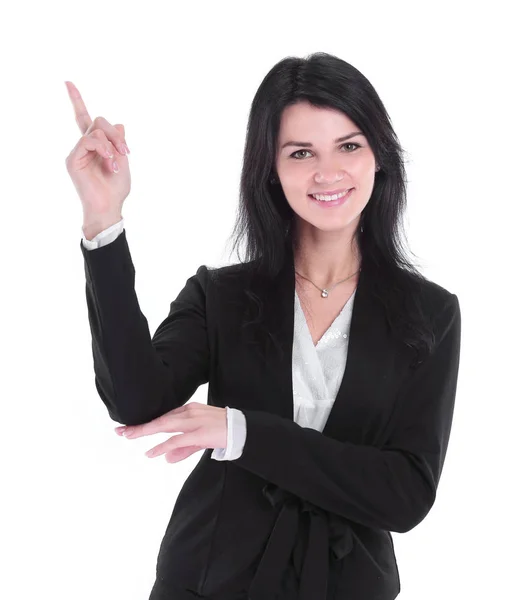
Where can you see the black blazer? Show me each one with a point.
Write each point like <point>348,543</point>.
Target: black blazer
<point>300,509</point>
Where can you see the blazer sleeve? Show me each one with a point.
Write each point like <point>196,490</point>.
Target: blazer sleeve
<point>140,378</point>
<point>391,487</point>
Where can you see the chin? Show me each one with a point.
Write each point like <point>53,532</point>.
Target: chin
<point>330,224</point>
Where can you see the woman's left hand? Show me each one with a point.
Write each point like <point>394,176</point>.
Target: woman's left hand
<point>202,426</point>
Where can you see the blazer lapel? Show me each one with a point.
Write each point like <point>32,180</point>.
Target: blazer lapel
<point>365,398</point>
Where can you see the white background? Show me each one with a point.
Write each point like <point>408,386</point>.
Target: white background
<point>83,511</point>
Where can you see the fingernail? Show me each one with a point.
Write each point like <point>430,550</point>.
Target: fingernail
<point>122,149</point>
<point>115,167</point>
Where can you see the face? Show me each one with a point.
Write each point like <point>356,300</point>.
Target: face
<point>313,161</point>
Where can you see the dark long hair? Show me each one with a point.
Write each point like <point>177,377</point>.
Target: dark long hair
<point>265,220</point>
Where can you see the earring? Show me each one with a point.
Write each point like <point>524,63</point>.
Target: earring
<point>273,179</point>
<point>377,168</point>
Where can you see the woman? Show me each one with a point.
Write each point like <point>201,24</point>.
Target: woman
<point>331,362</point>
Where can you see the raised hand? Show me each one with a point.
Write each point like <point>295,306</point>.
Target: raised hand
<point>92,167</point>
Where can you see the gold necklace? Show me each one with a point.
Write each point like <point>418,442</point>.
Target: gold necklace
<point>324,291</point>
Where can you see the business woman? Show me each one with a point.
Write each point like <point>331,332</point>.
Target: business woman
<point>331,362</point>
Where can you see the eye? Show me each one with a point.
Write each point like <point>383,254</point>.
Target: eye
<point>346,144</point>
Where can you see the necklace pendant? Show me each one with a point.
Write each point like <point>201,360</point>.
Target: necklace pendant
<point>324,293</point>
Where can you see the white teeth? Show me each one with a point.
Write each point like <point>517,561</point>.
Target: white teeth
<point>329,198</point>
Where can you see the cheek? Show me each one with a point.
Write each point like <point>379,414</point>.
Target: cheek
<point>295,187</point>
<point>362,165</point>
<point>292,178</point>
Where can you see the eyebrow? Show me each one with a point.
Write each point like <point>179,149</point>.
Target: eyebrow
<point>309,145</point>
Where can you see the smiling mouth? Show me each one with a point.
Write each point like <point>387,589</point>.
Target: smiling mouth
<point>332,198</point>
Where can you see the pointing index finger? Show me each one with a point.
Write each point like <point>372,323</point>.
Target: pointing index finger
<point>81,114</point>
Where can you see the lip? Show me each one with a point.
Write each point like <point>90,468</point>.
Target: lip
<point>332,203</point>
<point>332,192</point>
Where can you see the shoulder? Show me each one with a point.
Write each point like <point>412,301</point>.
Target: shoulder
<point>440,305</point>
<point>421,303</point>
<point>434,295</point>
<point>217,275</point>
<point>229,277</point>
<point>202,290</point>
<point>423,312</point>
<point>410,291</point>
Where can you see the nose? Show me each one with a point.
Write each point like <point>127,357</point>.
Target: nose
<point>328,177</point>
<point>328,173</point>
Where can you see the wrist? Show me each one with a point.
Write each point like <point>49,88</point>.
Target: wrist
<point>92,228</point>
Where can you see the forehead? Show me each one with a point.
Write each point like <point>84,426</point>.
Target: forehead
<point>305,122</point>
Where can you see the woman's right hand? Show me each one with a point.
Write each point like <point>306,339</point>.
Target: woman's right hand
<point>101,190</point>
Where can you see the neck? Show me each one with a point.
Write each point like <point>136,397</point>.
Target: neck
<point>326,257</point>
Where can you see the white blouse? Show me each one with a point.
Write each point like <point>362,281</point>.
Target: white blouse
<point>317,370</point>
<point>317,375</point>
